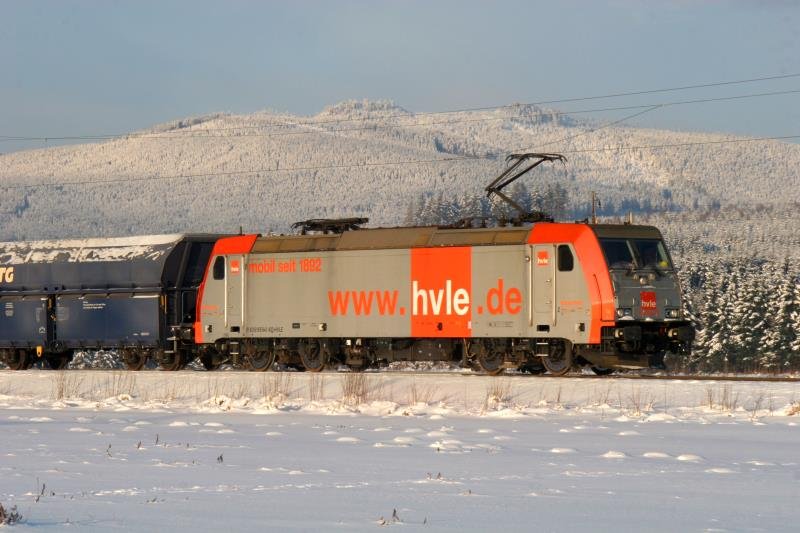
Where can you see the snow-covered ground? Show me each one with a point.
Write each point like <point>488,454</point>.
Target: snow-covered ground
<point>154,451</point>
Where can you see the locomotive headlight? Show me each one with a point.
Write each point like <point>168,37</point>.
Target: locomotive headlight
<point>672,313</point>
<point>625,312</point>
<point>643,280</point>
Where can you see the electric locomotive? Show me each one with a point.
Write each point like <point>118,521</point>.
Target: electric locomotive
<point>547,297</point>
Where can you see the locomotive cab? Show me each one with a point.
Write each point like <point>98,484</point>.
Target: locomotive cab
<point>649,318</point>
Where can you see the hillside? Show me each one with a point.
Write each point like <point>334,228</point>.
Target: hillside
<point>218,153</point>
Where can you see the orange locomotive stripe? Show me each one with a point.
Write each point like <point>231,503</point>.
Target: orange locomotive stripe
<point>593,263</point>
<point>241,244</point>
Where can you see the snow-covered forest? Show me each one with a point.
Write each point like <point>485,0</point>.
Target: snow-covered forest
<point>265,170</point>
<point>728,206</point>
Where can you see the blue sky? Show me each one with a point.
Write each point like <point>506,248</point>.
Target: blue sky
<point>83,67</point>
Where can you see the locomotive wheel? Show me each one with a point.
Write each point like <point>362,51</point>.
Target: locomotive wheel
<point>19,360</point>
<point>488,356</point>
<point>261,361</point>
<point>258,358</point>
<point>532,367</point>
<point>311,355</point>
<point>559,362</point>
<point>134,359</point>
<point>207,360</point>
<point>601,371</point>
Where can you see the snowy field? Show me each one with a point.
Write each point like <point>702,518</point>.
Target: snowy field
<point>152,451</point>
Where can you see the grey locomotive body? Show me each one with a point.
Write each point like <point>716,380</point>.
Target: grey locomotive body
<point>546,297</point>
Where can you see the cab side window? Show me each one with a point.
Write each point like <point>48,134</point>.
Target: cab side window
<point>566,262</point>
<point>219,267</point>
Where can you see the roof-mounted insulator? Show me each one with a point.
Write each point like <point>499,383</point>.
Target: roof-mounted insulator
<point>329,225</point>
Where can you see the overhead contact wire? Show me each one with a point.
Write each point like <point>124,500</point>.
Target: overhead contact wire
<point>432,113</point>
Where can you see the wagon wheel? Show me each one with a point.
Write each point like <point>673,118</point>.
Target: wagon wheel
<point>58,361</point>
<point>258,358</point>
<point>134,359</point>
<point>171,365</point>
<point>559,362</point>
<point>19,360</point>
<point>488,355</point>
<point>312,355</point>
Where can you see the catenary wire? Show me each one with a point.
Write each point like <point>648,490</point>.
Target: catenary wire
<point>593,130</point>
<point>204,133</point>
<point>414,115</point>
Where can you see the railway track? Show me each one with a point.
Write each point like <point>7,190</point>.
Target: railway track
<point>456,372</point>
<point>680,377</point>
<point>776,379</point>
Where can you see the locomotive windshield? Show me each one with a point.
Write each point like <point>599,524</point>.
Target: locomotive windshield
<point>635,253</point>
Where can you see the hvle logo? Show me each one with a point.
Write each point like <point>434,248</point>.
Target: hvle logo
<point>542,258</point>
<point>648,303</point>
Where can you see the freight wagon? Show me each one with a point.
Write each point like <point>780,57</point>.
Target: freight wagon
<point>116,293</point>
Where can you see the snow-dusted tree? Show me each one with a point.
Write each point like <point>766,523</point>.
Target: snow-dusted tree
<point>446,211</point>
<point>410,218</point>
<point>470,206</point>
<point>556,201</point>
<point>747,321</point>
<point>521,196</point>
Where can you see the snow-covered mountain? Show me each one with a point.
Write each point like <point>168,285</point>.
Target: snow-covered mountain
<point>265,170</point>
